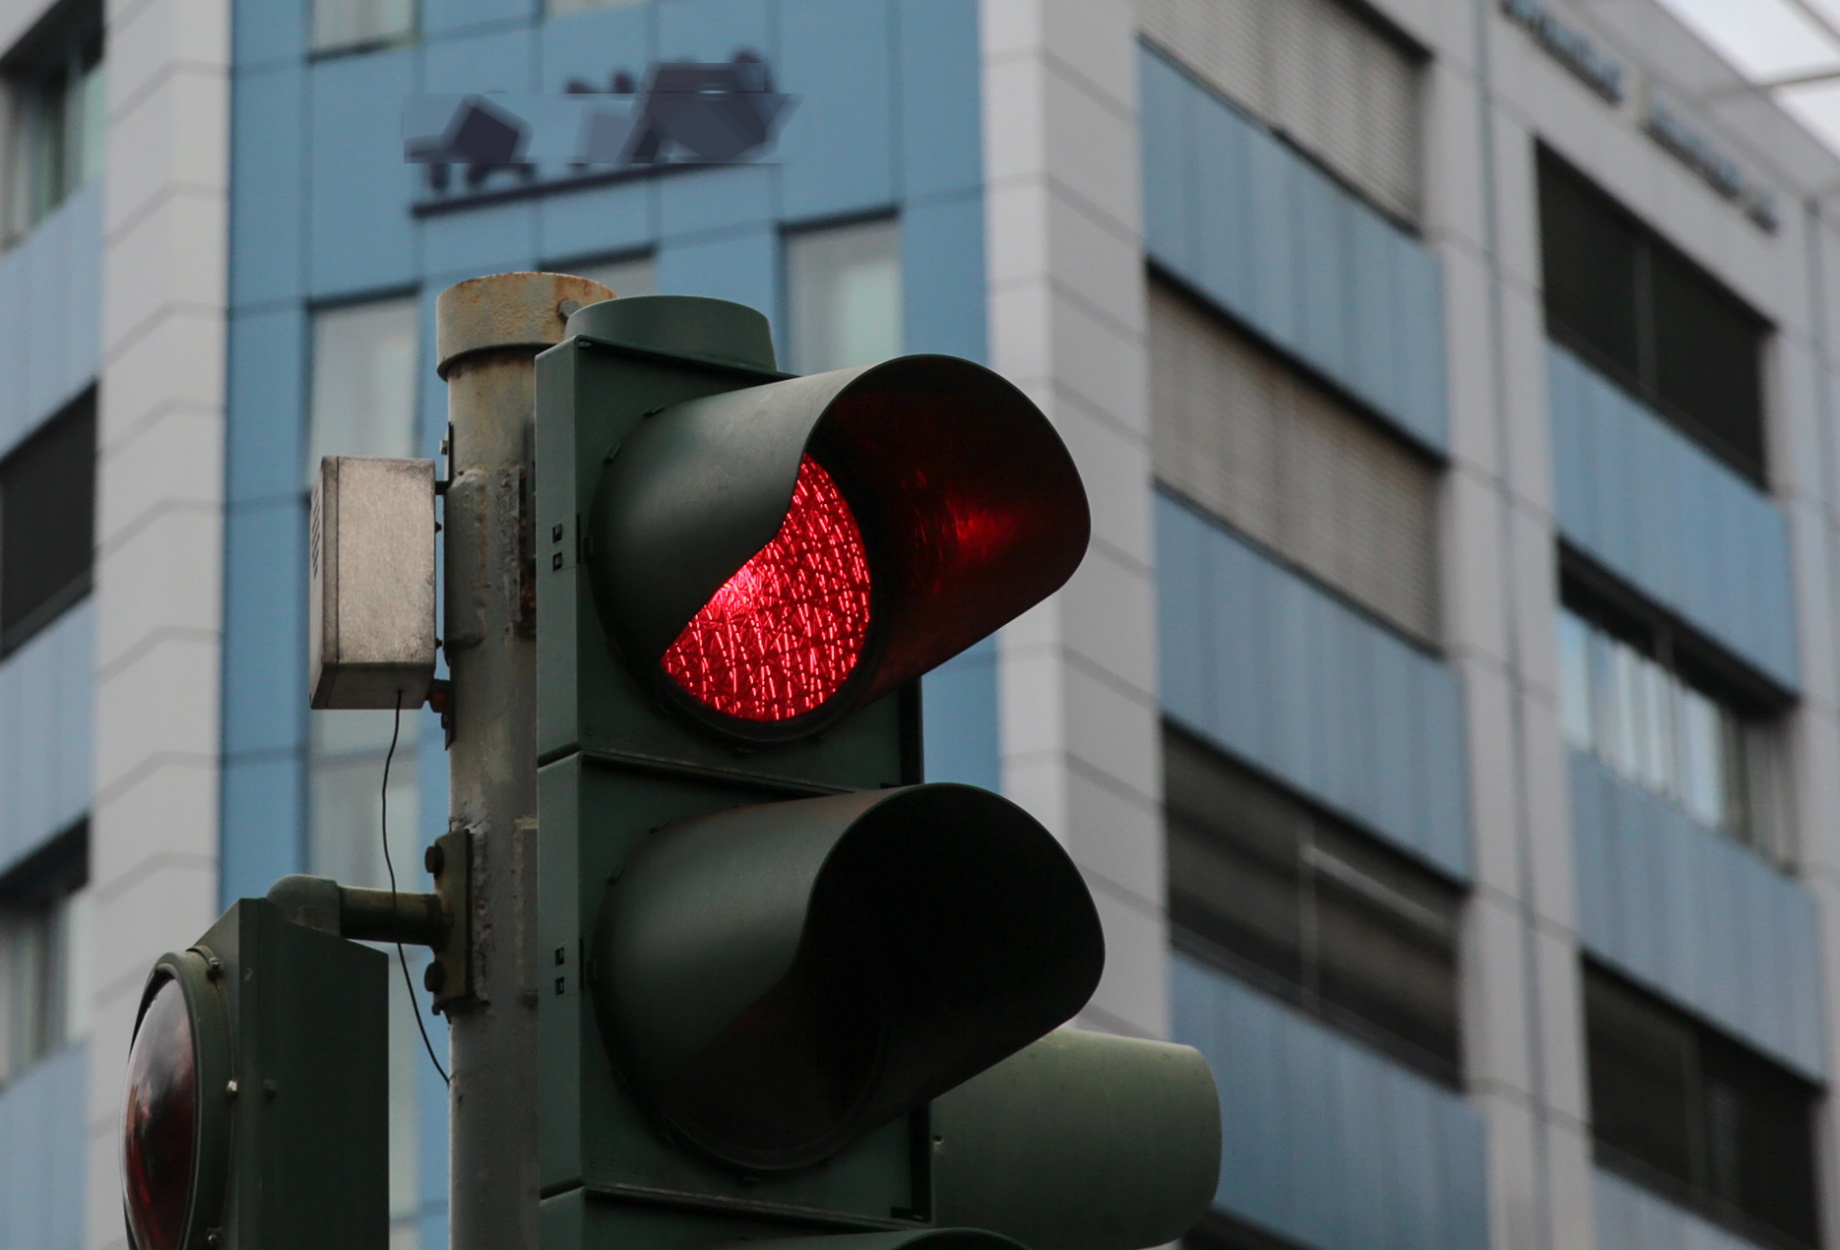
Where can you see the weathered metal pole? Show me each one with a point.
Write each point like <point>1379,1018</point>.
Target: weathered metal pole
<point>487,333</point>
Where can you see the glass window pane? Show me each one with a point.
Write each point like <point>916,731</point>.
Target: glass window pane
<point>1384,946</point>
<point>1588,251</point>
<point>1708,361</point>
<point>347,819</point>
<point>92,148</point>
<point>636,275</point>
<point>1626,720</point>
<point>47,522</point>
<point>354,23</point>
<point>1641,1068</point>
<point>1656,689</point>
<point>1702,757</point>
<point>1575,680</point>
<point>364,381</point>
<point>844,295</point>
<point>77,922</point>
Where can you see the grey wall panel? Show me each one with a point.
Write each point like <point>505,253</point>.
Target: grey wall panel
<point>1324,1141</point>
<point>1696,916</point>
<point>1285,675</point>
<point>1631,1218</point>
<point>51,338</point>
<point>1254,226</point>
<point>46,691</point>
<point>1653,508</point>
<point>42,1163</point>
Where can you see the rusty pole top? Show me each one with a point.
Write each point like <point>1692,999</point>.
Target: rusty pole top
<point>507,311</point>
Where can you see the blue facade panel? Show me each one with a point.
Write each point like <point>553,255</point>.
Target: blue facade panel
<point>266,446</point>
<point>1286,676</point>
<point>1325,1142</point>
<point>268,236</point>
<point>960,706</point>
<point>43,1163</point>
<point>1697,917</point>
<point>1631,1218</point>
<point>1646,503</point>
<point>1243,219</point>
<point>836,55</point>
<point>50,308</point>
<point>940,97</point>
<point>360,236</point>
<point>47,689</point>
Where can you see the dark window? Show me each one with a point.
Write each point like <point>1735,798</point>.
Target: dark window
<point>1666,712</point>
<point>1272,890</point>
<point>44,932</point>
<point>1651,319</point>
<point>54,86</point>
<point>1688,1112</point>
<point>47,522</point>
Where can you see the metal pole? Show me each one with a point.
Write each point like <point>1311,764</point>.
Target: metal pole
<point>487,333</point>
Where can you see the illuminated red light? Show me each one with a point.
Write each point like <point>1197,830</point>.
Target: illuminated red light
<point>784,633</point>
<point>159,1122</point>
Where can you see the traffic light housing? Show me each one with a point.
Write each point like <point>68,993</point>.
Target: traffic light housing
<point>255,1113</point>
<point>774,957</point>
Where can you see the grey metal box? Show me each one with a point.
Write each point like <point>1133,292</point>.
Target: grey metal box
<point>370,631</point>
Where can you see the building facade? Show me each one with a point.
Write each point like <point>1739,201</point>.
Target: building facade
<point>1447,713</point>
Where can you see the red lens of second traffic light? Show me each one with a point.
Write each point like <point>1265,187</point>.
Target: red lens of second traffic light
<point>784,634</point>
<point>159,1122</point>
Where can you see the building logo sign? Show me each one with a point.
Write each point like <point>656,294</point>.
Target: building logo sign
<point>1715,168</point>
<point>509,146</point>
<point>1571,47</point>
<point>1605,75</point>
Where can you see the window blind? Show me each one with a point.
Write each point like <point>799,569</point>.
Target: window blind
<point>1246,436</point>
<point>1316,71</point>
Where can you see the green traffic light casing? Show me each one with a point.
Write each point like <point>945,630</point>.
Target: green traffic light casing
<point>291,1144</point>
<point>710,887</point>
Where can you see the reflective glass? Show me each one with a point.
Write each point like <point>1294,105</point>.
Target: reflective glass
<point>357,23</point>
<point>364,382</point>
<point>844,294</point>
<point>159,1122</point>
<point>1575,679</point>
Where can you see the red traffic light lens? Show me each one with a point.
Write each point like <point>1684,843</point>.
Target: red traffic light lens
<point>786,631</point>
<point>159,1121</point>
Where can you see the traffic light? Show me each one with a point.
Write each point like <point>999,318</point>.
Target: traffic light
<point>792,992</point>
<point>257,1092</point>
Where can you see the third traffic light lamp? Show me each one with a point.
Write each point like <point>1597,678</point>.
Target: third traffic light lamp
<point>774,959</point>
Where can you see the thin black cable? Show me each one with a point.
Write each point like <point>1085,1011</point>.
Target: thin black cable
<point>401,958</point>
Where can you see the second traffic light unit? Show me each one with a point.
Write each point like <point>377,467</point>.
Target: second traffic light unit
<point>770,952</point>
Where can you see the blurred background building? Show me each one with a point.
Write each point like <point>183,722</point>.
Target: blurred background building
<point>1447,717</point>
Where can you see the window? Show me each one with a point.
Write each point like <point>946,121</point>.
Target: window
<point>364,404</point>
<point>57,106</point>
<point>345,841</point>
<point>1258,444</point>
<point>636,275</point>
<point>1651,319</point>
<point>1698,1117</point>
<point>1322,73</point>
<point>559,8</point>
<point>1311,909</point>
<point>843,293</point>
<point>364,375</point>
<point>47,522</point>
<point>44,953</point>
<point>1637,694</point>
<point>353,25</point>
